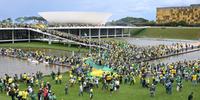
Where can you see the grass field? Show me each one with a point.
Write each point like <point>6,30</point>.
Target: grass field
<point>126,92</point>
<point>172,33</point>
<point>44,45</point>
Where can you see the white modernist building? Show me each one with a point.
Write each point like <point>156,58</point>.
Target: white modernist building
<point>87,24</point>
<point>91,18</point>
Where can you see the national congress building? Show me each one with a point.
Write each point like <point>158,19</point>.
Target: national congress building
<point>189,14</point>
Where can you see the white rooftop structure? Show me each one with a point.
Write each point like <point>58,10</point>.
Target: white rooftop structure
<point>94,18</point>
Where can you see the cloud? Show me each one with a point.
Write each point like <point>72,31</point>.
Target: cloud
<point>119,8</point>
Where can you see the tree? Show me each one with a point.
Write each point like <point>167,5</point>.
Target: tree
<point>20,20</point>
<point>128,21</point>
<point>35,19</point>
<point>9,20</point>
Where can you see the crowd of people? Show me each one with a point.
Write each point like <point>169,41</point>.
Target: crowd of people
<point>124,51</point>
<point>149,75</point>
<point>11,86</point>
<point>79,39</point>
<point>20,25</point>
<point>119,53</point>
<point>132,52</point>
<point>40,57</point>
<point>129,64</point>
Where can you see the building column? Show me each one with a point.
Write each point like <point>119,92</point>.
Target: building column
<point>99,33</point>
<point>79,32</point>
<point>122,32</point>
<point>13,36</point>
<point>129,32</point>
<point>107,32</point>
<point>50,40</point>
<point>29,36</point>
<point>99,36</point>
<point>69,31</point>
<point>43,36</point>
<point>115,32</point>
<point>89,41</point>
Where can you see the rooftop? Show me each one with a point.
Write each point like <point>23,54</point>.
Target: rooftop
<point>191,6</point>
<point>69,17</point>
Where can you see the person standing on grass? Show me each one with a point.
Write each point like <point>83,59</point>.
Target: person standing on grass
<point>104,84</point>
<point>111,87</point>
<point>80,90</point>
<point>40,94</point>
<point>66,89</point>
<point>19,95</point>
<point>53,75</point>
<point>132,80</point>
<point>152,90</point>
<point>12,94</point>
<point>190,97</point>
<point>60,78</point>
<point>117,84</point>
<point>179,83</point>
<point>1,86</point>
<point>24,95</point>
<point>33,96</point>
<point>56,79</point>
<point>45,93</point>
<point>53,96</point>
<point>168,87</point>
<point>91,94</point>
<point>96,82</point>
<point>194,79</point>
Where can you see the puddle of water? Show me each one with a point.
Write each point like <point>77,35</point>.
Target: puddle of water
<point>13,66</point>
<point>154,42</point>
<point>188,56</point>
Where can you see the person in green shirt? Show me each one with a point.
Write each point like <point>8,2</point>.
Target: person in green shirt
<point>53,75</point>
<point>111,87</point>
<point>33,96</point>
<point>53,96</point>
<point>66,89</point>
<point>1,86</point>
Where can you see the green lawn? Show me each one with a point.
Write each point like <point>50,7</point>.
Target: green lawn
<point>126,92</point>
<point>44,45</point>
<point>171,33</point>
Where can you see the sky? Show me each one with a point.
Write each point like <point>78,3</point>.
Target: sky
<point>118,8</point>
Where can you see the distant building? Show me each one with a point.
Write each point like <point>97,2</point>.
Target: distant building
<point>82,24</point>
<point>189,14</point>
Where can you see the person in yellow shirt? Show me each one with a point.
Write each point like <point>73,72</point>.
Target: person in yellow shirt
<point>19,96</point>
<point>24,95</point>
<point>10,80</point>
<point>36,82</point>
<point>41,84</point>
<point>60,78</point>
<point>147,82</point>
<point>79,79</point>
<point>24,76</point>
<point>173,71</point>
<point>194,79</point>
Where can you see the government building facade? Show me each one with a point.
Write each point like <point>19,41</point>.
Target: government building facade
<point>188,14</point>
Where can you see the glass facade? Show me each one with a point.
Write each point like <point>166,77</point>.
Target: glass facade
<point>19,34</point>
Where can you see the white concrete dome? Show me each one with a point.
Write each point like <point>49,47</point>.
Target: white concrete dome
<point>94,18</point>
